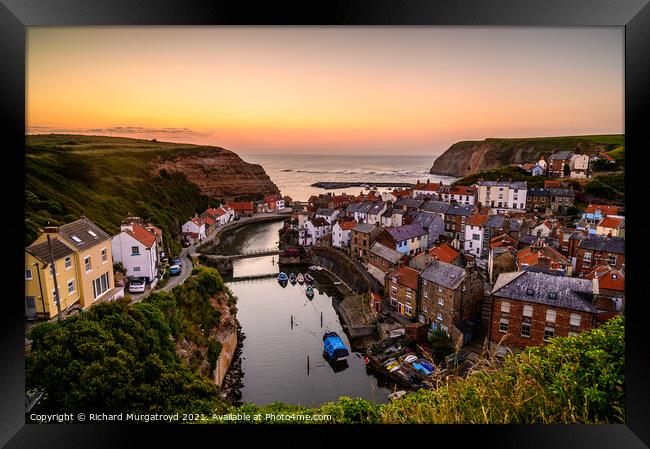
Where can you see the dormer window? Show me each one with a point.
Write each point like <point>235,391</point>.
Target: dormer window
<point>552,295</point>
<point>530,291</point>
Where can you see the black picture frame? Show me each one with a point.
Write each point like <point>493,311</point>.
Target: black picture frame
<point>634,15</point>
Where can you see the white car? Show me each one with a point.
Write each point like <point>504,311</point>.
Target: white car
<point>137,285</point>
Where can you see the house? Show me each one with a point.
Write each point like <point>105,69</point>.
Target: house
<point>445,253</point>
<point>534,169</point>
<point>193,230</point>
<point>327,214</point>
<point>242,208</point>
<point>579,164</point>
<point>455,219</point>
<point>554,184</point>
<point>594,213</point>
<point>217,216</point>
<point>425,188</point>
<point>613,225</point>
<point>406,204</point>
<point>473,239</point>
<point>313,231</point>
<point>541,257</point>
<point>273,203</point>
<point>363,236</point>
<point>501,259</point>
<point>90,270</point>
<point>498,224</point>
<point>457,194</point>
<point>611,288</point>
<point>402,289</point>
<point>543,229</point>
<point>342,232</point>
<point>433,224</point>
<point>557,199</point>
<point>40,292</point>
<point>529,308</point>
<point>449,296</point>
<point>502,195</point>
<point>382,259</point>
<point>596,250</point>
<point>387,217</point>
<point>559,164</point>
<point>136,249</point>
<point>375,212</point>
<point>361,211</point>
<point>288,201</point>
<point>408,239</point>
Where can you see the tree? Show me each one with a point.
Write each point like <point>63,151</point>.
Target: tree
<point>567,170</point>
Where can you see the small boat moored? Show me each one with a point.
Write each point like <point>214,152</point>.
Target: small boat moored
<point>292,278</point>
<point>282,277</point>
<point>333,347</point>
<point>309,279</point>
<point>300,278</point>
<point>309,292</point>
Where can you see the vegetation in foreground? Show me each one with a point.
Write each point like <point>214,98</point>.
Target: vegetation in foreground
<point>117,357</point>
<point>577,379</point>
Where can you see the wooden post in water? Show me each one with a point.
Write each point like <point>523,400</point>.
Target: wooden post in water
<point>321,319</point>
<point>308,365</point>
<point>291,321</point>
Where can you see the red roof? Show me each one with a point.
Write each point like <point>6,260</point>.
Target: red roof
<point>548,183</point>
<point>531,256</point>
<point>608,278</point>
<point>476,220</point>
<point>209,220</point>
<point>241,205</point>
<point>611,222</point>
<point>407,277</point>
<point>197,221</point>
<point>346,225</point>
<point>444,253</point>
<point>462,190</point>
<point>605,209</point>
<point>502,240</point>
<point>155,230</point>
<point>142,235</point>
<point>428,186</point>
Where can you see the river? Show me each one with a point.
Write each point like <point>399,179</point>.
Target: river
<point>274,357</point>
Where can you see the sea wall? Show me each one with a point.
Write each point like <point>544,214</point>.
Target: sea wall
<point>228,349</point>
<point>340,264</point>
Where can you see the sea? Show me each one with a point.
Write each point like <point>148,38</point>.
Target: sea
<point>294,174</point>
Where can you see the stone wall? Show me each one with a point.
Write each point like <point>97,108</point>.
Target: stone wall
<point>340,264</point>
<point>228,349</point>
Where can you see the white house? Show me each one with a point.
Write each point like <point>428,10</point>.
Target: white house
<point>313,230</point>
<point>136,249</point>
<point>327,214</point>
<point>194,229</point>
<point>361,212</point>
<point>543,229</point>
<point>473,243</point>
<point>342,232</point>
<point>375,212</point>
<point>503,195</point>
<point>579,166</point>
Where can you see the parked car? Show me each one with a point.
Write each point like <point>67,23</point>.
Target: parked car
<point>177,261</point>
<point>137,285</point>
<point>175,270</point>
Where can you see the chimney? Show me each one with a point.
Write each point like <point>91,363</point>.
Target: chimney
<point>51,230</point>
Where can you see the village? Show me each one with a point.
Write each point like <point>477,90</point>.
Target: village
<point>493,266</point>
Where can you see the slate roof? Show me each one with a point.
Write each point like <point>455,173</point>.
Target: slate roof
<point>388,212</point>
<point>460,209</point>
<point>365,228</point>
<point>603,243</point>
<point>520,185</point>
<point>352,208</point>
<point>445,274</point>
<point>426,196</point>
<point>364,207</point>
<point>406,232</point>
<point>319,222</point>
<point>81,229</point>
<point>439,207</point>
<point>571,293</point>
<point>561,155</point>
<point>376,207</point>
<point>495,221</point>
<point>325,211</point>
<point>42,250</point>
<point>386,253</point>
<point>408,202</point>
<point>552,191</point>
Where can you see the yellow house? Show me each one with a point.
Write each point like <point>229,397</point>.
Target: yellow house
<point>92,263</point>
<point>39,282</point>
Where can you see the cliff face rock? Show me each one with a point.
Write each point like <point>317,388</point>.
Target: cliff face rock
<point>219,173</point>
<point>469,157</point>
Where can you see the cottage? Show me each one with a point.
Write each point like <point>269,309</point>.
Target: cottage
<point>408,239</point>
<point>541,257</point>
<point>242,208</point>
<point>611,288</point>
<point>528,308</point>
<point>426,188</point>
<point>596,250</point>
<point>455,219</point>
<point>193,230</point>
<point>137,250</point>
<point>327,214</point>
<point>579,165</point>
<point>557,199</point>
<point>382,259</point>
<point>473,239</point>
<point>559,164</point>
<point>594,213</point>
<point>613,225</point>
<point>363,236</point>
<point>342,232</point>
<point>375,212</point>
<point>313,231</point>
<point>402,289</point>
<point>433,224</point>
<point>502,195</point>
<point>273,203</point>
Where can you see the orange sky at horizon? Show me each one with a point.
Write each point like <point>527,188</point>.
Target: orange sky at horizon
<point>330,89</point>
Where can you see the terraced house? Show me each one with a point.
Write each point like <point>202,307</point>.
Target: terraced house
<point>83,266</point>
<point>402,289</point>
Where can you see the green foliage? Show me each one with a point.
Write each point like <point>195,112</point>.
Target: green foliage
<point>566,169</point>
<point>441,344</point>
<point>116,357</point>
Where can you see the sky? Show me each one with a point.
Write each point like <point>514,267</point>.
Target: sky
<point>325,90</point>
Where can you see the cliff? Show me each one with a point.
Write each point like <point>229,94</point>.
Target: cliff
<point>469,157</point>
<point>219,173</point>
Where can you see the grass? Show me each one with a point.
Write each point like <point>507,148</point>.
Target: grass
<point>577,379</point>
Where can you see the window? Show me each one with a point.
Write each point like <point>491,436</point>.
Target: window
<point>75,238</point>
<point>525,329</point>
<point>505,306</point>
<point>439,316</point>
<point>425,294</point>
<point>565,248</point>
<point>439,289</point>
<point>612,260</point>
<point>550,316</point>
<point>393,301</point>
<point>425,283</point>
<point>71,286</point>
<point>552,295</point>
<point>136,268</point>
<point>476,237</point>
<point>548,333</point>
<point>135,250</point>
<point>408,309</point>
<point>68,262</point>
<point>587,256</point>
<point>104,255</point>
<point>441,301</point>
<point>528,311</point>
<point>87,263</point>
<point>100,285</point>
<point>445,329</point>
<point>28,274</point>
<point>92,234</point>
<point>575,319</point>
<point>424,308</point>
<point>503,325</point>
<point>530,291</point>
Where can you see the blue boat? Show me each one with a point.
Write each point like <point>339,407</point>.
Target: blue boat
<point>333,347</point>
<point>282,277</point>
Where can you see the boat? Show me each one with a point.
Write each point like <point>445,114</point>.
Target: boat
<point>333,347</point>
<point>337,282</point>
<point>313,268</point>
<point>309,279</point>
<point>309,292</point>
<point>282,277</point>
<point>292,278</point>
<point>300,278</point>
